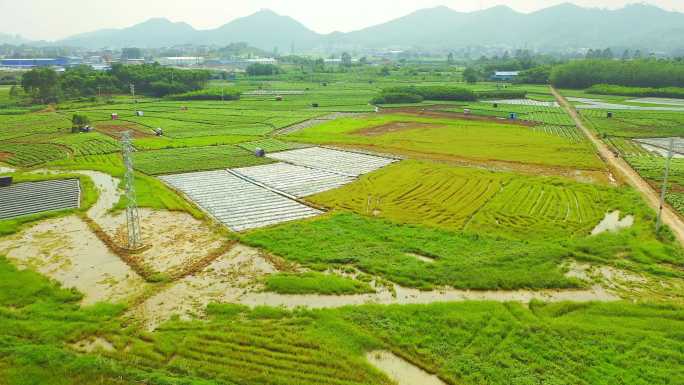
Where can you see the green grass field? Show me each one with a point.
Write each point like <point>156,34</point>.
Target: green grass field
<point>315,283</point>
<point>463,198</point>
<point>470,343</point>
<point>178,160</point>
<point>454,138</point>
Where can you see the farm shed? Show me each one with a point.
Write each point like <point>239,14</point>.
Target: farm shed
<point>505,76</point>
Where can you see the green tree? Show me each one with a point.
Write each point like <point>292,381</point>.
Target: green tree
<point>450,58</point>
<point>258,69</point>
<point>470,75</point>
<point>78,122</point>
<point>42,84</point>
<point>346,60</point>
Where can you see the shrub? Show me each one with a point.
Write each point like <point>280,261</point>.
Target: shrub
<point>501,94</point>
<point>434,92</point>
<point>397,98</point>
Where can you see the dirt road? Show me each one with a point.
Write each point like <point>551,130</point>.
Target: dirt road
<point>626,172</point>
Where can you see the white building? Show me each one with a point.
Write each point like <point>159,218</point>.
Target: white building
<point>181,61</point>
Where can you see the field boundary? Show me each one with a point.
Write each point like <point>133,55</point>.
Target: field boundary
<point>628,174</point>
<point>275,191</point>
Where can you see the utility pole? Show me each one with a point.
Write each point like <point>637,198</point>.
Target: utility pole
<point>132,217</point>
<point>132,87</point>
<point>663,192</point>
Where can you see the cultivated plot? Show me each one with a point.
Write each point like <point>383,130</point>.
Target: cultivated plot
<point>340,162</point>
<point>237,203</point>
<point>35,197</point>
<point>589,103</point>
<point>299,181</point>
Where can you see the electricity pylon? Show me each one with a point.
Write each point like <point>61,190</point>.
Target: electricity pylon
<point>132,217</point>
<point>663,191</point>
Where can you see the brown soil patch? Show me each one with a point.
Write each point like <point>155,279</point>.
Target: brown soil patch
<point>433,112</point>
<point>115,128</point>
<point>5,155</point>
<point>393,127</point>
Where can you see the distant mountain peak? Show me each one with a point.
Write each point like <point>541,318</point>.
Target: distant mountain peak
<point>557,28</point>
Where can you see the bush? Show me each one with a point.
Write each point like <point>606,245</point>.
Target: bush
<point>501,94</point>
<point>536,75</point>
<point>258,69</point>
<point>207,94</point>
<point>434,92</point>
<point>609,89</point>
<point>397,98</point>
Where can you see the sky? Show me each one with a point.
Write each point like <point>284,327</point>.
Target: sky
<point>56,19</point>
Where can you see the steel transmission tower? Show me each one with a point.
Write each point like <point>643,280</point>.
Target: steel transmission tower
<point>663,191</point>
<point>132,217</point>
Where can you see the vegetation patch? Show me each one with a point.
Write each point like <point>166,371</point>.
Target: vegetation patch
<point>378,247</point>
<point>180,160</point>
<point>457,139</point>
<point>609,89</point>
<point>315,283</point>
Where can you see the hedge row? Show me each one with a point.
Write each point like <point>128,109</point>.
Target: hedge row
<point>610,89</point>
<point>207,94</point>
<point>501,94</point>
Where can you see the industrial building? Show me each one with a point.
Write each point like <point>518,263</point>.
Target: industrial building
<point>181,61</point>
<point>23,63</point>
<point>505,76</point>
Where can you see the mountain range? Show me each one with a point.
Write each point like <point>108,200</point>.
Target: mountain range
<point>556,28</point>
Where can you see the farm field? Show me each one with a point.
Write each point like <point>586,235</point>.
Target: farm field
<point>360,234</point>
<point>464,199</point>
<point>453,138</point>
<point>633,135</point>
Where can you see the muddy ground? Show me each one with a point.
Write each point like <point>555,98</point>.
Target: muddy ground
<point>114,129</point>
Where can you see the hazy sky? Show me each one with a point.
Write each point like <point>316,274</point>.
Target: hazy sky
<point>55,19</point>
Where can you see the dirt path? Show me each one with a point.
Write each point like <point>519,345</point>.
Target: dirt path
<point>408,296</point>
<point>626,172</point>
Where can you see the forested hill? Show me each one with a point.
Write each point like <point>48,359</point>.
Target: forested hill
<point>560,27</point>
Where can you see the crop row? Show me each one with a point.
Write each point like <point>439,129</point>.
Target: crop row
<point>31,154</point>
<point>188,159</point>
<point>253,352</point>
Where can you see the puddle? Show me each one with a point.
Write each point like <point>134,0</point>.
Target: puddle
<point>109,196</point>
<point>609,276</point>
<point>95,344</point>
<point>66,250</point>
<point>224,280</point>
<point>421,258</point>
<point>401,371</point>
<point>612,222</point>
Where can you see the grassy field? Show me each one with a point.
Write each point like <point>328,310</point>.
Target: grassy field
<point>315,283</point>
<point>454,138</point>
<point>463,198</point>
<point>178,160</point>
<point>469,343</point>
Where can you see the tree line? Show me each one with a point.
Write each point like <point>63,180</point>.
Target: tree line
<point>632,73</point>
<point>45,85</point>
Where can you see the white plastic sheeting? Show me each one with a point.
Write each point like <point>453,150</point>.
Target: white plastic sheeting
<point>237,203</point>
